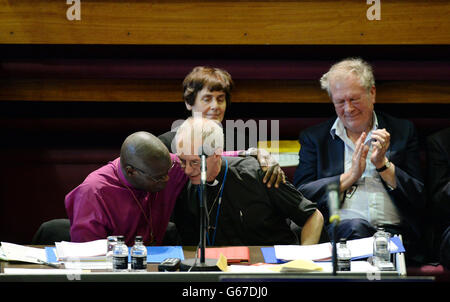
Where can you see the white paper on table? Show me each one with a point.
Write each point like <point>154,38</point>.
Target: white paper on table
<point>358,248</point>
<point>306,252</point>
<point>81,250</point>
<point>16,252</point>
<point>35,271</point>
<point>364,247</point>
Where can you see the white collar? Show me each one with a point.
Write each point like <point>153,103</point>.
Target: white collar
<point>215,183</point>
<point>339,129</point>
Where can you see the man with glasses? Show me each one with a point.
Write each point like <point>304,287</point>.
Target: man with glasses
<point>129,196</point>
<point>372,156</point>
<point>132,195</point>
<point>240,209</point>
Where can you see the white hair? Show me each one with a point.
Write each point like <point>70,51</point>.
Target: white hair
<point>198,135</point>
<point>356,66</point>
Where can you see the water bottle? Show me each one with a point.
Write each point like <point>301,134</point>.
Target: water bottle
<point>139,256</point>
<point>381,252</point>
<point>120,256</point>
<point>111,243</point>
<point>343,256</point>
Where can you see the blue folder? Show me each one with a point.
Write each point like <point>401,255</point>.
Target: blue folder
<point>269,255</point>
<point>155,254</point>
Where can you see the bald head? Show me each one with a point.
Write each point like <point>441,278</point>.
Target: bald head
<point>143,146</point>
<point>142,157</point>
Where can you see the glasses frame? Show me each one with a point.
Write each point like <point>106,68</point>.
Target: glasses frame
<point>157,179</point>
<point>193,164</point>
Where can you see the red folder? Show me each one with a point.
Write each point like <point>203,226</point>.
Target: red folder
<point>234,254</point>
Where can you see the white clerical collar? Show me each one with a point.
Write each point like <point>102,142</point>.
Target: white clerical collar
<point>214,183</point>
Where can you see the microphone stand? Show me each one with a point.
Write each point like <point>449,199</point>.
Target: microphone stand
<point>333,204</point>
<point>203,222</point>
<point>334,225</point>
<point>205,264</point>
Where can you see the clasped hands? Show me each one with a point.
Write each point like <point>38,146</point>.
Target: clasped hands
<point>380,143</point>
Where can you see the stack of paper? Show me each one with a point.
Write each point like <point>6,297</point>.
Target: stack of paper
<point>306,252</point>
<point>81,251</point>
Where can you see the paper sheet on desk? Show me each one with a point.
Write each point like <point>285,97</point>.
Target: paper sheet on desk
<point>35,271</point>
<point>16,252</point>
<point>92,250</point>
<point>306,252</point>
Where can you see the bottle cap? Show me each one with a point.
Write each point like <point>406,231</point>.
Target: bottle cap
<point>120,238</point>
<point>343,240</point>
<point>138,238</point>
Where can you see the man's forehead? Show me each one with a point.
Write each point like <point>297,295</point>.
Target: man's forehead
<point>183,156</point>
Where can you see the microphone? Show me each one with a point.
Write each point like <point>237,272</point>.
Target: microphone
<point>333,202</point>
<point>333,206</point>
<point>203,170</point>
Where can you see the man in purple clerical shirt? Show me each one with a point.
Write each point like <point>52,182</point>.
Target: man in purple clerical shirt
<point>129,196</point>
<point>135,194</point>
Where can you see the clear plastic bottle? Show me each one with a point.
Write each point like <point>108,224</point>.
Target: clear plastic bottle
<point>381,252</point>
<point>111,241</point>
<point>120,255</point>
<point>343,256</point>
<point>138,256</point>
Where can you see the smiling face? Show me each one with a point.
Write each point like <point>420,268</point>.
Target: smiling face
<point>191,164</point>
<point>353,103</point>
<point>207,90</point>
<point>211,104</point>
<point>197,136</point>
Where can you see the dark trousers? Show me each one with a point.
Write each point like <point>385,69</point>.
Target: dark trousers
<point>352,229</point>
<point>445,249</point>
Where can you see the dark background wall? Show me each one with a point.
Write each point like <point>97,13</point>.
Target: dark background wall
<point>71,91</point>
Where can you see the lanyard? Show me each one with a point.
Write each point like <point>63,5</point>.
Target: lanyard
<point>218,205</point>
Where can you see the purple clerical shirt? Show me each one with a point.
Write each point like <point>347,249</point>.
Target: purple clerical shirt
<point>103,205</point>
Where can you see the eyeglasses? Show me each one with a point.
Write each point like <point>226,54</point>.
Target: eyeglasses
<point>193,164</point>
<point>155,178</point>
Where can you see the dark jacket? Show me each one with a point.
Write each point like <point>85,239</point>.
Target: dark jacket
<point>322,162</point>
